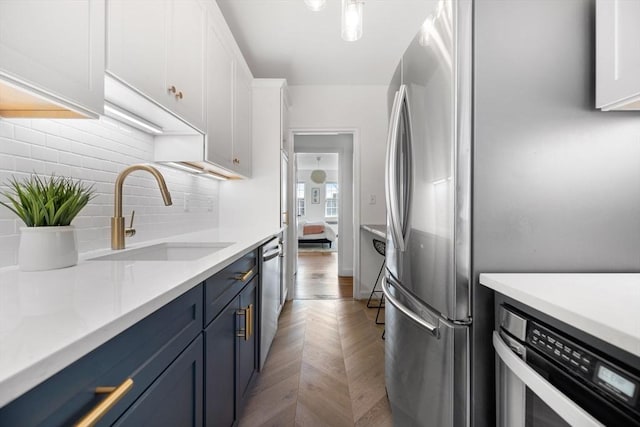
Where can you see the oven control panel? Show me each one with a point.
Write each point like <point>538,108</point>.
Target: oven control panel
<point>612,380</point>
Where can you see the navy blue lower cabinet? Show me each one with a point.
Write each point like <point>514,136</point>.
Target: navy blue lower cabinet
<point>142,354</point>
<point>220,361</point>
<point>230,358</point>
<point>247,345</point>
<point>175,398</point>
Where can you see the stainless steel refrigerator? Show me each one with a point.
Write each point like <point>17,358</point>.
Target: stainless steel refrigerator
<point>555,188</point>
<point>428,194</point>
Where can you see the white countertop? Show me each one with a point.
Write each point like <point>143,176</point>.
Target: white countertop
<point>604,305</point>
<point>50,319</point>
<point>379,230</point>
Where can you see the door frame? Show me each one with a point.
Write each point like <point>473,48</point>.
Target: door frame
<point>292,239</point>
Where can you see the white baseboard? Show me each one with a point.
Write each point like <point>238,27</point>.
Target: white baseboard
<point>346,272</point>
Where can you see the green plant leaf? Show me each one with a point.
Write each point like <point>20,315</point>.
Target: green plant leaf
<point>52,201</point>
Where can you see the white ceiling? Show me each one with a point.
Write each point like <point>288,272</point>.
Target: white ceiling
<point>309,161</point>
<point>284,39</point>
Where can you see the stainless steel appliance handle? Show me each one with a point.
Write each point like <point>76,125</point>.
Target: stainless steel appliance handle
<point>391,173</point>
<point>271,255</point>
<point>561,404</point>
<point>404,310</point>
<point>407,162</point>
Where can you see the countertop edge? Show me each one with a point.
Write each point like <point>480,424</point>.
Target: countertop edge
<point>370,228</point>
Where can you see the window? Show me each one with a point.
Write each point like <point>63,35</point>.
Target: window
<point>331,199</point>
<point>300,198</point>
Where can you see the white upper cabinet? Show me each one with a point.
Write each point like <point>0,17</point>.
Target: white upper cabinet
<point>284,121</point>
<point>157,47</point>
<point>136,44</point>
<point>54,48</point>
<point>242,122</point>
<point>186,61</point>
<point>227,100</point>
<point>618,54</point>
<point>220,88</point>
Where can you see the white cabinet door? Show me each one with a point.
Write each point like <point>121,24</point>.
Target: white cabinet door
<point>284,122</point>
<point>157,47</point>
<point>186,61</point>
<point>137,48</point>
<point>242,123</point>
<point>220,79</point>
<point>617,52</point>
<point>55,47</point>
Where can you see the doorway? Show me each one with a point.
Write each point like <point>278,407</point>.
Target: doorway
<point>323,207</point>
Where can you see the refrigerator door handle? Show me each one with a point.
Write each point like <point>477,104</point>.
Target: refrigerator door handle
<point>561,404</point>
<point>391,174</point>
<point>433,329</point>
<point>407,164</point>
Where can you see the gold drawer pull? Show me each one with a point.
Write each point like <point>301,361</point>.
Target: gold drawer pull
<point>244,332</point>
<point>179,95</point>
<point>250,321</point>
<point>244,276</point>
<point>172,89</point>
<point>247,332</point>
<point>115,394</point>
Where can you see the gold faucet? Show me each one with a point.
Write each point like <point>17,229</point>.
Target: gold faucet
<point>117,221</point>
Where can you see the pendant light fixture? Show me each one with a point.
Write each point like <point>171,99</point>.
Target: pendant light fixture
<point>318,175</point>
<point>352,19</point>
<point>315,5</point>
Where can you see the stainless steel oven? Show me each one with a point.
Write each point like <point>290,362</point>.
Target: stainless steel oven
<point>546,377</point>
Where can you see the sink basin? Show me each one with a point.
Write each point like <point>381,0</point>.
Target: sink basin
<point>170,251</point>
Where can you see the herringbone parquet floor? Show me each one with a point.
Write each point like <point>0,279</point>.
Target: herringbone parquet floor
<point>317,277</point>
<point>325,368</point>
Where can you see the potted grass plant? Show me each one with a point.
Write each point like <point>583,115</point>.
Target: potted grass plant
<point>47,206</point>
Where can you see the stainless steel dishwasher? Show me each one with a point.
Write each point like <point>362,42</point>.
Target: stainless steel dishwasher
<point>270,276</point>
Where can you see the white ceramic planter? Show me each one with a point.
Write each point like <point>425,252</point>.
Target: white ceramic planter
<point>47,248</point>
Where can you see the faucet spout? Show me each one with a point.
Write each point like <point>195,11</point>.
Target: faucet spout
<point>117,221</point>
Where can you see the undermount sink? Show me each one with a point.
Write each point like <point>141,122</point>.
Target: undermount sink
<point>169,251</point>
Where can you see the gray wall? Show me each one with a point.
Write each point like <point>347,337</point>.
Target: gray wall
<point>556,182</point>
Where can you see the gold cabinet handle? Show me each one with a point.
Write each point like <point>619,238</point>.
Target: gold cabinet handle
<point>236,161</point>
<point>99,411</point>
<point>179,95</point>
<point>172,89</point>
<point>244,332</point>
<point>244,276</point>
<point>250,322</point>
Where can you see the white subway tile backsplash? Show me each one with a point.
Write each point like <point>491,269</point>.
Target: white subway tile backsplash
<point>96,151</point>
<point>6,130</point>
<point>43,153</point>
<point>29,135</point>
<point>30,165</point>
<point>7,162</point>
<point>58,143</point>
<point>48,127</point>
<point>13,147</point>
<point>59,169</point>
<point>70,159</point>
<point>7,227</point>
